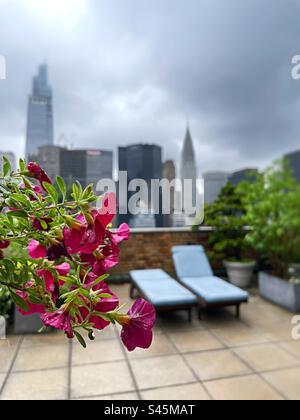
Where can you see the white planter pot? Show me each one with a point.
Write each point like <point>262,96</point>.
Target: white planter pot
<point>280,291</point>
<point>240,273</point>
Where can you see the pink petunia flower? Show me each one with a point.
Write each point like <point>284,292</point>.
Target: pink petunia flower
<point>83,237</point>
<point>33,308</point>
<point>36,172</point>
<point>4,244</point>
<point>62,270</point>
<point>36,250</point>
<point>138,325</point>
<point>59,320</point>
<point>104,306</point>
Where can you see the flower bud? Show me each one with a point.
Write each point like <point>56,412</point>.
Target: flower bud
<point>92,336</point>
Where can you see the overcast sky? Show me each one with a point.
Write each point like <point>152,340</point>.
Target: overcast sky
<point>126,71</point>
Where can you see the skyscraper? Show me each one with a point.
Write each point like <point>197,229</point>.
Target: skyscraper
<point>141,161</point>
<point>169,173</point>
<point>40,114</point>
<point>213,184</point>
<point>188,160</point>
<point>243,175</point>
<point>86,166</point>
<point>188,170</point>
<point>294,160</point>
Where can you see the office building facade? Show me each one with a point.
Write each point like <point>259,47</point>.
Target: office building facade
<point>144,162</point>
<point>214,182</point>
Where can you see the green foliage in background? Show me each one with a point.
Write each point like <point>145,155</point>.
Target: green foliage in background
<point>5,301</point>
<point>272,205</point>
<point>227,216</point>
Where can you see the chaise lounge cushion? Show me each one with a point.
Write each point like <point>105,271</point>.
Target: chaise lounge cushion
<point>194,271</point>
<point>161,289</point>
<point>214,290</point>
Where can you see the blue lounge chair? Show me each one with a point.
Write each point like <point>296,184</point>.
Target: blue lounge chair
<point>165,293</point>
<point>195,273</point>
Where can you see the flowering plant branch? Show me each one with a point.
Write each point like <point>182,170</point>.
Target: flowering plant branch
<point>70,251</point>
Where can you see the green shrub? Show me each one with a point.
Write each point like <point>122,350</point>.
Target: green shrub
<point>227,216</point>
<point>272,206</point>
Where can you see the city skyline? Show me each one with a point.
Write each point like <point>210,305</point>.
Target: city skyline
<point>115,82</point>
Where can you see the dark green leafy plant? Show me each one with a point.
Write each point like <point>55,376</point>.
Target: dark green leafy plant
<point>227,217</point>
<point>272,206</point>
<point>5,301</point>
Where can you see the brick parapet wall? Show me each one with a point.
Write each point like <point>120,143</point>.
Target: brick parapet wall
<point>152,248</point>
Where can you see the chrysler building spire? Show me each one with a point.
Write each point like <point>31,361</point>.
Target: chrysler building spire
<point>188,160</point>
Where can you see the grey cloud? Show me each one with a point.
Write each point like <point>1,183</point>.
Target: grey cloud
<point>131,70</point>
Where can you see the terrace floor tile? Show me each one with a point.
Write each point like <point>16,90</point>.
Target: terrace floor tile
<point>292,347</point>
<point>97,352</point>
<point>129,396</point>
<point>161,372</point>
<point>242,388</point>
<point>160,346</point>
<point>102,379</point>
<point>10,342</point>
<point>2,379</point>
<point>50,357</point>
<point>192,341</point>
<point>266,357</point>
<point>47,339</point>
<point>280,332</point>
<point>6,358</point>
<point>190,392</point>
<point>43,385</point>
<point>239,335</point>
<point>286,381</point>
<point>216,364</point>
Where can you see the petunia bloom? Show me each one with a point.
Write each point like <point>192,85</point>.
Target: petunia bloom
<point>138,325</point>
<point>104,306</point>
<point>36,250</point>
<point>33,308</point>
<point>51,286</point>
<point>4,244</point>
<point>59,320</point>
<point>83,237</point>
<point>36,172</point>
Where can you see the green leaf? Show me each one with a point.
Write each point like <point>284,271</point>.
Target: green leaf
<point>99,280</point>
<point>6,166</point>
<point>22,165</point>
<point>51,191</point>
<point>80,339</point>
<point>62,186</point>
<point>105,296</point>
<point>18,213</point>
<point>44,224</point>
<point>21,199</point>
<point>19,301</point>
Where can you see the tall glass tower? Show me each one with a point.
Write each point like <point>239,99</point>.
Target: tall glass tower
<point>40,114</point>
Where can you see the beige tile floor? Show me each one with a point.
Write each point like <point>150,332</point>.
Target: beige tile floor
<point>218,358</point>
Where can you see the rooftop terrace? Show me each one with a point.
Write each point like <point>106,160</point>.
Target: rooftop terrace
<point>219,357</point>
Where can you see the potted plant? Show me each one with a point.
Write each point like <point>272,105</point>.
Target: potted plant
<point>272,211</point>
<point>226,216</point>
